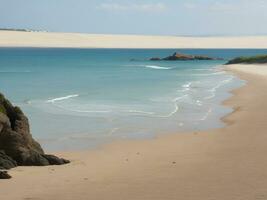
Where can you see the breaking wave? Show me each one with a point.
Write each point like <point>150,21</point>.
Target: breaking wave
<point>62,98</point>
<point>156,67</point>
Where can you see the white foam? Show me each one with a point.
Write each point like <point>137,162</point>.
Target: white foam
<point>221,84</point>
<point>62,98</point>
<point>176,107</point>
<point>150,66</point>
<point>199,103</point>
<point>179,98</point>
<point>187,85</point>
<point>91,111</point>
<point>206,115</point>
<point>82,111</point>
<point>156,67</point>
<point>210,74</point>
<point>153,114</point>
<point>141,112</point>
<point>214,89</point>
<point>211,96</point>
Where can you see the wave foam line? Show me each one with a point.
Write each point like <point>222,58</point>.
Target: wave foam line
<point>176,107</point>
<point>224,82</point>
<point>206,115</point>
<point>90,111</point>
<point>83,111</point>
<point>187,85</point>
<point>156,67</point>
<point>214,89</point>
<point>62,98</point>
<point>210,74</point>
<point>153,114</point>
<point>141,112</point>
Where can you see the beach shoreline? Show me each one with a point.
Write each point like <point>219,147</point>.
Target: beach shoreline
<point>225,163</point>
<point>80,40</point>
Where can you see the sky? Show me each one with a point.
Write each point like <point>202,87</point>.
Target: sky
<point>146,17</point>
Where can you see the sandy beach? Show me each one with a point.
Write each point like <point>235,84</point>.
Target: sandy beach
<point>78,40</point>
<point>226,163</point>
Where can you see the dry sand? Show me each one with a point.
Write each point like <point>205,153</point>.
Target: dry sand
<point>259,69</point>
<point>223,164</point>
<point>77,40</point>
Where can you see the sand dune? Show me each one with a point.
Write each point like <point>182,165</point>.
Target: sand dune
<point>77,40</point>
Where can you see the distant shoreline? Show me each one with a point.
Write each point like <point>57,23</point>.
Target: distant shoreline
<point>17,29</point>
<point>80,40</point>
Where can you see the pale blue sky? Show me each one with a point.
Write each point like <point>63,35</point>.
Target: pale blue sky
<point>157,17</point>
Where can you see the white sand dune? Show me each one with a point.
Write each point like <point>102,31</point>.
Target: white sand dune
<point>77,40</point>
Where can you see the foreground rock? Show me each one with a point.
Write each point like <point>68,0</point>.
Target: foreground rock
<point>4,175</point>
<point>17,147</point>
<point>184,57</point>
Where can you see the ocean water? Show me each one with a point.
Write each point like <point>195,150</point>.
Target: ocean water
<point>80,98</point>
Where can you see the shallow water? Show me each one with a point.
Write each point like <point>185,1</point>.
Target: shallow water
<point>78,98</point>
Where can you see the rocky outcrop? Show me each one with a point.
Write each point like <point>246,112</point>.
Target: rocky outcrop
<point>260,59</point>
<point>17,147</point>
<point>184,57</point>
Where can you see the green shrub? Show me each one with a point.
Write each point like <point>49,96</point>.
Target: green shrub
<point>259,59</point>
<point>2,109</point>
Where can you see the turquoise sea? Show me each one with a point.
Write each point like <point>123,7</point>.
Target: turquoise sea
<point>79,98</point>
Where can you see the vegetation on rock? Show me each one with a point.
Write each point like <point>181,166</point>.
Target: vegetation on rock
<point>259,59</point>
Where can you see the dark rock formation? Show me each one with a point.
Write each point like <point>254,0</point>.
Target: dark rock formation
<point>53,160</point>
<point>17,147</point>
<point>184,57</point>
<point>155,58</point>
<point>4,175</point>
<point>6,162</point>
